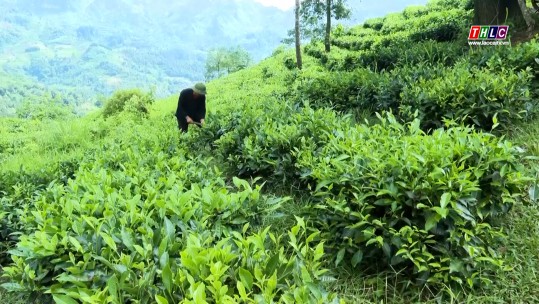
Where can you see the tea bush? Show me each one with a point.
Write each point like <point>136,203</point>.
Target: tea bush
<point>447,88</point>
<point>131,101</point>
<point>520,57</point>
<point>144,214</point>
<point>374,23</point>
<point>364,88</point>
<point>389,194</point>
<point>428,52</point>
<point>354,43</point>
<point>474,96</point>
<point>262,140</point>
<point>155,228</point>
<point>352,53</point>
<point>342,90</point>
<point>11,227</point>
<point>440,5</point>
<point>415,11</point>
<point>440,26</point>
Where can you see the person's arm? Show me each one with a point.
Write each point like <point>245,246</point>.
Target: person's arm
<point>203,110</point>
<point>182,109</point>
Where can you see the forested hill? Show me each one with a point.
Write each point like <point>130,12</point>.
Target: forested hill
<point>75,51</point>
<point>83,49</point>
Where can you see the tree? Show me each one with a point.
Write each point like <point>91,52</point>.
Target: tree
<point>297,32</point>
<point>327,40</point>
<point>222,61</point>
<point>488,12</point>
<point>316,18</point>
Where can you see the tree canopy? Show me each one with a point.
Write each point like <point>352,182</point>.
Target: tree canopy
<point>222,61</point>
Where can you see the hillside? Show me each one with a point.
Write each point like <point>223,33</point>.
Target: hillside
<point>399,168</point>
<point>80,50</point>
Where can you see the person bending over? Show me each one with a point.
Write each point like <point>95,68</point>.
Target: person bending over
<point>191,107</point>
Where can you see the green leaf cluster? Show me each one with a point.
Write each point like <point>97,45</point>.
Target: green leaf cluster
<point>132,101</point>
<point>136,226</point>
<point>427,205</point>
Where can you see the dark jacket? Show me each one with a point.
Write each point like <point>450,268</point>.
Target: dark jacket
<point>188,106</point>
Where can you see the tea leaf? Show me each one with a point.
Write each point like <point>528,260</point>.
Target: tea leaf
<point>63,299</point>
<point>340,256</point>
<point>246,278</point>
<point>357,258</point>
<point>167,277</point>
<point>160,300</point>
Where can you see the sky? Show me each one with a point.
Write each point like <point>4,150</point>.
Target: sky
<point>288,4</point>
<point>281,4</point>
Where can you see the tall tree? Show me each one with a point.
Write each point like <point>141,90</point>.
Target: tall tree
<point>327,40</point>
<point>488,12</point>
<point>297,32</point>
<point>316,18</point>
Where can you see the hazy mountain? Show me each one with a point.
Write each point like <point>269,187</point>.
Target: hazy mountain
<point>84,48</point>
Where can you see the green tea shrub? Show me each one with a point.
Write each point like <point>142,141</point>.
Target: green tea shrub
<point>398,31</point>
<point>380,59</point>
<point>473,96</point>
<point>385,55</point>
<point>132,101</point>
<point>363,88</point>
<point>391,39</point>
<point>425,204</point>
<point>341,90</point>
<point>430,52</point>
<point>355,43</point>
<point>440,26</point>
<point>440,5</point>
<point>374,23</point>
<point>342,60</point>
<point>361,31</point>
<point>290,63</point>
<point>415,11</point>
<point>519,57</point>
<point>11,210</point>
<point>137,233</point>
<point>263,139</point>
<point>316,50</point>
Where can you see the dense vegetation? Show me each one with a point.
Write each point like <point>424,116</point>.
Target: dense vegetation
<point>380,172</point>
<point>82,50</point>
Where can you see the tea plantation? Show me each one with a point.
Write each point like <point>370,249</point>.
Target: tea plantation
<point>401,167</point>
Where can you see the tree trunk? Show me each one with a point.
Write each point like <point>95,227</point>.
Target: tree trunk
<point>298,41</point>
<point>488,12</point>
<point>497,12</point>
<point>530,22</point>
<point>328,26</point>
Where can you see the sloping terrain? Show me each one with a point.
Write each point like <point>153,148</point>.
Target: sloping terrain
<point>394,169</point>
